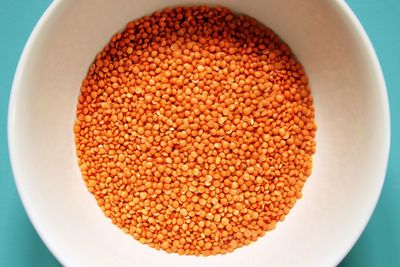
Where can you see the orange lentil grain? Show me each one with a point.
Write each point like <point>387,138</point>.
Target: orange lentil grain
<point>195,130</point>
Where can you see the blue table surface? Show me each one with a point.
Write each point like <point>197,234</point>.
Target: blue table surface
<point>379,245</point>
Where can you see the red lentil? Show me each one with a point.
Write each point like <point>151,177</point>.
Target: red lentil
<point>195,130</point>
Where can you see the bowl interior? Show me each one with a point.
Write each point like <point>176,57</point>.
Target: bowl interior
<point>352,135</point>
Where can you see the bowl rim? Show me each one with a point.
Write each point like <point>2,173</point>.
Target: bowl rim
<point>349,17</point>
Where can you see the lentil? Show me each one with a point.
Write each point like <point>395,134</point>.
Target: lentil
<point>195,130</point>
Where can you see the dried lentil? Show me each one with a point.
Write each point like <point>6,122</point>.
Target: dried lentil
<point>195,130</point>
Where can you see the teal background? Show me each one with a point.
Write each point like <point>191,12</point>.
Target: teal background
<point>379,245</point>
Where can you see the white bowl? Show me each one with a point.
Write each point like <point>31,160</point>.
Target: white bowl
<point>352,138</point>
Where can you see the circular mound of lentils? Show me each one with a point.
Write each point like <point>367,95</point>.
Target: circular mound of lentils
<point>195,130</point>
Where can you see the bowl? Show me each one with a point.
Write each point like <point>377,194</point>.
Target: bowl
<point>352,138</point>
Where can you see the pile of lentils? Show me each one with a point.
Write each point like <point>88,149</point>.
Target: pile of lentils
<point>195,130</point>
